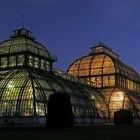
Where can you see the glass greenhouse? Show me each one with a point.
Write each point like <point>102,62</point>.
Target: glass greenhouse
<point>104,70</point>
<point>27,79</point>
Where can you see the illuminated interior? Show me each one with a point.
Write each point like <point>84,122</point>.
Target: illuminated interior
<point>105,71</point>
<point>27,80</point>
<point>25,93</point>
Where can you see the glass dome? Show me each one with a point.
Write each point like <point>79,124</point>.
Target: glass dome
<point>21,50</point>
<point>27,79</point>
<point>100,68</point>
<point>23,40</point>
<point>104,70</point>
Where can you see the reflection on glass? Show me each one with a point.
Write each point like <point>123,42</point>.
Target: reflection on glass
<point>118,101</point>
<point>4,62</point>
<point>20,60</point>
<point>12,61</point>
<point>42,64</point>
<point>47,65</point>
<point>36,62</point>
<point>31,62</point>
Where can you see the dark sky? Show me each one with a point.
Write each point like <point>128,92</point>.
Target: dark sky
<point>68,28</point>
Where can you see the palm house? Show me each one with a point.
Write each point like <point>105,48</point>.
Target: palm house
<point>104,70</point>
<point>27,79</point>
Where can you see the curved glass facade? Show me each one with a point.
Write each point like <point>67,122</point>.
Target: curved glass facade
<point>25,93</point>
<point>22,50</point>
<point>103,69</point>
<point>23,40</point>
<point>27,79</point>
<point>92,68</point>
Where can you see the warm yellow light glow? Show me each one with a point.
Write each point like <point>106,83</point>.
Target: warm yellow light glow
<point>118,96</point>
<point>39,110</point>
<point>93,97</point>
<point>25,114</point>
<point>10,84</point>
<point>117,100</point>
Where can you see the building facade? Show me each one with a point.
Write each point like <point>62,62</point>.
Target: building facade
<point>104,70</point>
<point>27,79</point>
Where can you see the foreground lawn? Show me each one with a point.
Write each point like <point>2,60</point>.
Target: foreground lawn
<point>97,132</point>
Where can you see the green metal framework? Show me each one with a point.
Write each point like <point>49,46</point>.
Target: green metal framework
<point>27,80</point>
<point>24,92</point>
<point>22,50</point>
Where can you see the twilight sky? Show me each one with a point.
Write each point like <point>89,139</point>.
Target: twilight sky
<point>68,28</point>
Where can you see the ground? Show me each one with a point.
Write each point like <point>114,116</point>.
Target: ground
<point>97,132</point>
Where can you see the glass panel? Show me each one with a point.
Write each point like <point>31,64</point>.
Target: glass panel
<point>84,66</point>
<point>109,80</point>
<point>12,61</point>
<point>108,70</point>
<point>96,71</point>
<point>26,108</point>
<point>42,64</point>
<point>14,48</point>
<point>20,60</point>
<point>11,92</point>
<point>47,65</point>
<point>75,66</point>
<point>26,101</point>
<point>83,72</point>
<point>4,50</point>
<point>36,62</point>
<point>73,73</point>
<point>40,109</point>
<point>4,62</point>
<point>30,60</point>
<point>96,81</point>
<point>116,100</point>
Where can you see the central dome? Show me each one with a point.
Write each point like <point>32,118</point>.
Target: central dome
<point>23,40</point>
<point>21,50</point>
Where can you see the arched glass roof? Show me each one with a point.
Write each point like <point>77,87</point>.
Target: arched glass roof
<point>101,64</point>
<point>119,82</point>
<point>25,93</point>
<point>22,44</point>
<point>27,80</point>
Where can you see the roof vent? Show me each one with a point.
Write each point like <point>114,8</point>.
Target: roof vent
<point>101,48</point>
<point>22,32</point>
